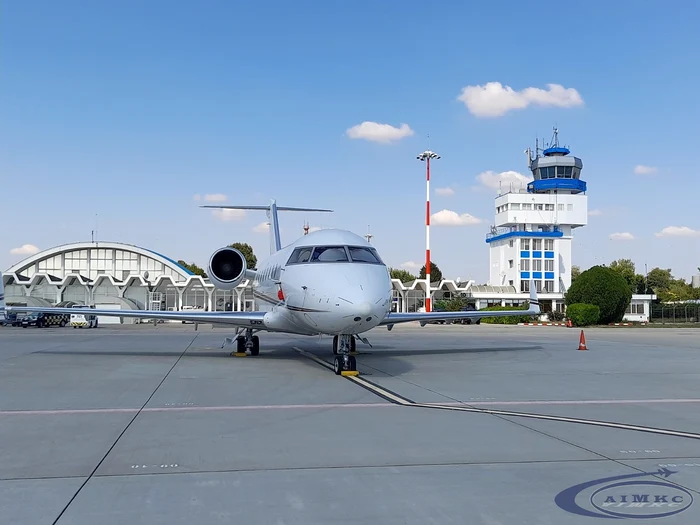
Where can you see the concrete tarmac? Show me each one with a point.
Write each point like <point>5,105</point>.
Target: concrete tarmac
<point>485,424</point>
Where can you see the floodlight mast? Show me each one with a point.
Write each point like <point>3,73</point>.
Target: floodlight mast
<point>425,157</point>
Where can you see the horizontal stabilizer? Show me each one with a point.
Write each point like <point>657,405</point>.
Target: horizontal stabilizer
<point>271,209</point>
<point>279,208</point>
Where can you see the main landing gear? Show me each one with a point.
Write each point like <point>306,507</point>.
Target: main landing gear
<point>343,345</point>
<point>246,341</point>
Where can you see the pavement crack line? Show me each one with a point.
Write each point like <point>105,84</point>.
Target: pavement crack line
<point>90,476</point>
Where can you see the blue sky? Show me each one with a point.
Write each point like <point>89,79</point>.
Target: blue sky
<point>120,113</point>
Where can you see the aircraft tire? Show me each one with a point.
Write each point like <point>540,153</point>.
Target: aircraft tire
<point>338,365</point>
<point>256,346</point>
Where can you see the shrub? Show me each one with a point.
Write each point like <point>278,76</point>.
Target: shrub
<point>508,319</point>
<point>602,287</point>
<point>583,314</point>
<point>555,316</point>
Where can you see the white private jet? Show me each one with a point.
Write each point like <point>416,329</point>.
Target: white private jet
<point>328,282</point>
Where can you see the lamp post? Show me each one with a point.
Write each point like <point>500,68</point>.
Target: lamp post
<point>425,157</point>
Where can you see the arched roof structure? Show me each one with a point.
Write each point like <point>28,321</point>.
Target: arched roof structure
<point>92,261</point>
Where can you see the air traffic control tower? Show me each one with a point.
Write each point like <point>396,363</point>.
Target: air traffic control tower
<point>532,232</point>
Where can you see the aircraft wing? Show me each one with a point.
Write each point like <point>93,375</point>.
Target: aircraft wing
<point>231,318</point>
<point>424,317</point>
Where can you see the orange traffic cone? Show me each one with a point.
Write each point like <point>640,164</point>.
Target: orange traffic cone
<point>582,342</point>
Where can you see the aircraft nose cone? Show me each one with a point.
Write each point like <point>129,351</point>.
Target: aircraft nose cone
<point>364,308</point>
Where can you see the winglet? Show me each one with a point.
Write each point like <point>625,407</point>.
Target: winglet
<point>534,302</point>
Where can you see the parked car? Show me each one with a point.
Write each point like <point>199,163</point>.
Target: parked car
<point>42,320</point>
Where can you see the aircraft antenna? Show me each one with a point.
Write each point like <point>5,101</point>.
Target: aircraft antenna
<point>306,228</point>
<point>368,236</point>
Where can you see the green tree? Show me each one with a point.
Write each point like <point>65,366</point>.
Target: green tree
<point>435,273</point>
<point>403,275</point>
<point>659,280</point>
<point>625,267</point>
<point>575,272</point>
<point>603,287</point>
<point>193,268</point>
<point>247,251</point>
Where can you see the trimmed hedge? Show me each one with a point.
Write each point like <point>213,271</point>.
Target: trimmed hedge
<point>582,314</point>
<point>508,319</point>
<point>603,287</point>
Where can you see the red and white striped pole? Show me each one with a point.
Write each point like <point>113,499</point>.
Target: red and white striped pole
<point>426,156</point>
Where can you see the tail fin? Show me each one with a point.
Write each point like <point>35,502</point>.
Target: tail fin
<point>534,302</point>
<point>272,209</point>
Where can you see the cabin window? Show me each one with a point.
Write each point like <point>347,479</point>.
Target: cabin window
<point>329,254</point>
<point>364,255</point>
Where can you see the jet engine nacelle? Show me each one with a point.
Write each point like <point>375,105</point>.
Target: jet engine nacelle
<point>227,268</point>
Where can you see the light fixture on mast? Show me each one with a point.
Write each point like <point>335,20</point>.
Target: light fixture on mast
<point>425,157</point>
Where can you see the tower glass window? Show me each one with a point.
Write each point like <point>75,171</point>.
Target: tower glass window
<point>549,244</point>
<point>525,244</point>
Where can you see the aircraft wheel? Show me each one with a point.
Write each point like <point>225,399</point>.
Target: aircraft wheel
<point>353,363</point>
<point>240,345</point>
<point>256,346</point>
<point>338,365</point>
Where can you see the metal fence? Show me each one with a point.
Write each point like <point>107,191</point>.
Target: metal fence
<point>675,313</point>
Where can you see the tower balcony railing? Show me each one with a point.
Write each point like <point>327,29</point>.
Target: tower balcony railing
<point>495,232</point>
<point>503,230</point>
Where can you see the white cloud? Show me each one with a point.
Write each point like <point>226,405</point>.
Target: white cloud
<point>595,213</point>
<point>382,133</point>
<point>503,180</point>
<point>229,215</point>
<point>211,197</point>
<point>645,170</point>
<point>410,265</point>
<point>678,231</point>
<point>263,227</point>
<point>495,100</point>
<point>215,197</point>
<point>25,249</point>
<point>445,192</point>
<point>626,236</point>
<point>451,218</point>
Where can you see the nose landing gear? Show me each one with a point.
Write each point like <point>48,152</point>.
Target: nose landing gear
<point>343,345</point>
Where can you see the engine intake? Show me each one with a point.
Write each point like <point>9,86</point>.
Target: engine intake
<point>227,268</point>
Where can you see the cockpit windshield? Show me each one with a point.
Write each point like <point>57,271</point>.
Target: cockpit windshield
<point>330,254</point>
